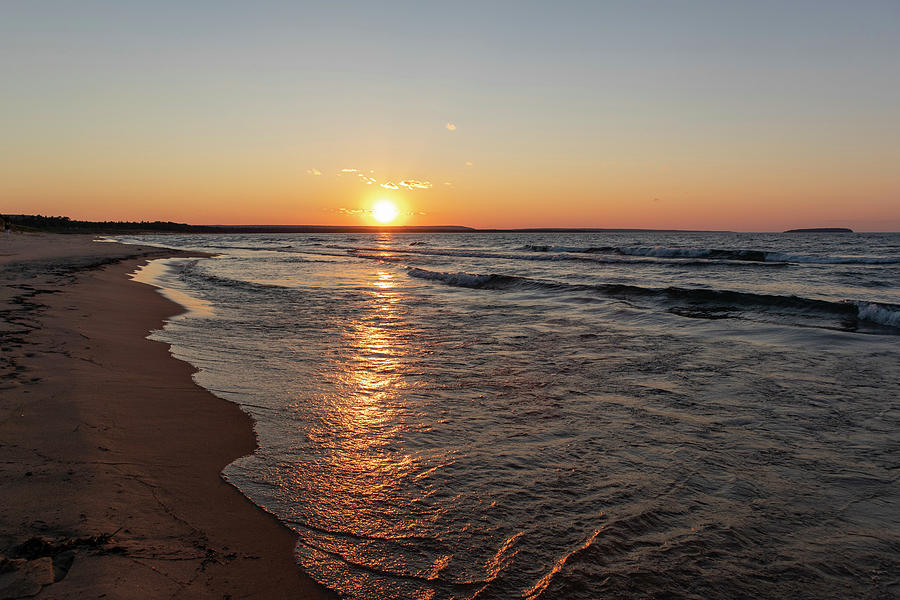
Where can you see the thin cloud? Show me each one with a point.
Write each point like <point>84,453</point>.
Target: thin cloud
<point>468,163</point>
<point>407,184</point>
<point>413,184</point>
<point>450,126</point>
<point>314,172</point>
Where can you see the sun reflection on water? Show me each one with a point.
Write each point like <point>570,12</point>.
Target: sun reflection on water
<point>366,417</point>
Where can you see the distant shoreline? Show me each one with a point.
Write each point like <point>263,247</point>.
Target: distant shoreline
<point>40,223</point>
<point>67,225</point>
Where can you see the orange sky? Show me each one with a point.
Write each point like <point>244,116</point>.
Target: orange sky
<point>739,117</point>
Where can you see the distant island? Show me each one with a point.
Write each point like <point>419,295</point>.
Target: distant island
<point>821,230</point>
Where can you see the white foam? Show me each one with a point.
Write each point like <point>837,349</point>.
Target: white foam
<point>871,311</point>
<point>154,273</point>
<point>458,279</point>
<point>662,252</point>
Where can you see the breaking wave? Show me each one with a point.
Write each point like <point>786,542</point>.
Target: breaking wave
<point>714,254</point>
<point>701,303</point>
<point>558,254</point>
<point>878,313</point>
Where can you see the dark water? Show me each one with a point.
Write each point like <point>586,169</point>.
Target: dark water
<point>562,415</point>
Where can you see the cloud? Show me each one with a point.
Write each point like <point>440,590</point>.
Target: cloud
<point>352,211</point>
<point>413,184</point>
<point>408,184</point>
<point>450,126</point>
<point>314,171</point>
<point>448,183</point>
<point>359,173</point>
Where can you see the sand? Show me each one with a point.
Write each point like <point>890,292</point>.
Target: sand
<point>109,453</point>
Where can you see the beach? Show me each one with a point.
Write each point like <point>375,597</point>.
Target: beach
<point>110,453</point>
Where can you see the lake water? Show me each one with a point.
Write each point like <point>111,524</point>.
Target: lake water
<point>659,415</point>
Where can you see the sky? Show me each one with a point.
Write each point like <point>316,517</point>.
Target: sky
<point>746,116</point>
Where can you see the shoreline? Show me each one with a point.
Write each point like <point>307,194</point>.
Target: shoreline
<point>110,453</point>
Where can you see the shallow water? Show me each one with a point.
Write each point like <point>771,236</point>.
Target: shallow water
<point>563,415</point>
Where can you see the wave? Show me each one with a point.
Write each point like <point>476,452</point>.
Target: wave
<point>469,280</point>
<point>879,313</point>
<point>365,252</point>
<point>833,260</point>
<point>201,277</point>
<point>234,247</point>
<point>685,256</point>
<point>382,253</point>
<point>715,254</point>
<point>692,302</point>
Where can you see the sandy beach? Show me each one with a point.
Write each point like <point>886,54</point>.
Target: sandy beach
<point>110,453</point>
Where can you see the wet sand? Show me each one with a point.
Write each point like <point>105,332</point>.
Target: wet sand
<point>109,453</point>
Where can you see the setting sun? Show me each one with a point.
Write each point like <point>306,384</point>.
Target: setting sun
<point>384,211</point>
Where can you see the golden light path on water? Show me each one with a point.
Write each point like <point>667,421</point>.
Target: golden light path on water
<point>369,465</point>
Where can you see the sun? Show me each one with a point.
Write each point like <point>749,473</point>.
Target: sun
<point>385,211</point>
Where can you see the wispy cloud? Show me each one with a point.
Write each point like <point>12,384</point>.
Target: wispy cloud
<point>365,177</point>
<point>314,172</point>
<point>450,126</point>
<point>413,184</point>
<point>469,163</point>
<point>369,211</point>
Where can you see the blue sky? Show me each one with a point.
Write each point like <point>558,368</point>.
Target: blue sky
<point>784,100</point>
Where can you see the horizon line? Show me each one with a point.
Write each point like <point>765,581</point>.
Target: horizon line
<point>67,223</point>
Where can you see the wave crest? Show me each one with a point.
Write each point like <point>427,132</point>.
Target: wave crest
<point>746,255</point>
<point>878,313</point>
<point>701,303</point>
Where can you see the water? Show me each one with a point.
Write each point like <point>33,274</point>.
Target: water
<point>563,415</point>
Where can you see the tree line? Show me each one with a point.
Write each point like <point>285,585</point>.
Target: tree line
<point>68,225</point>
